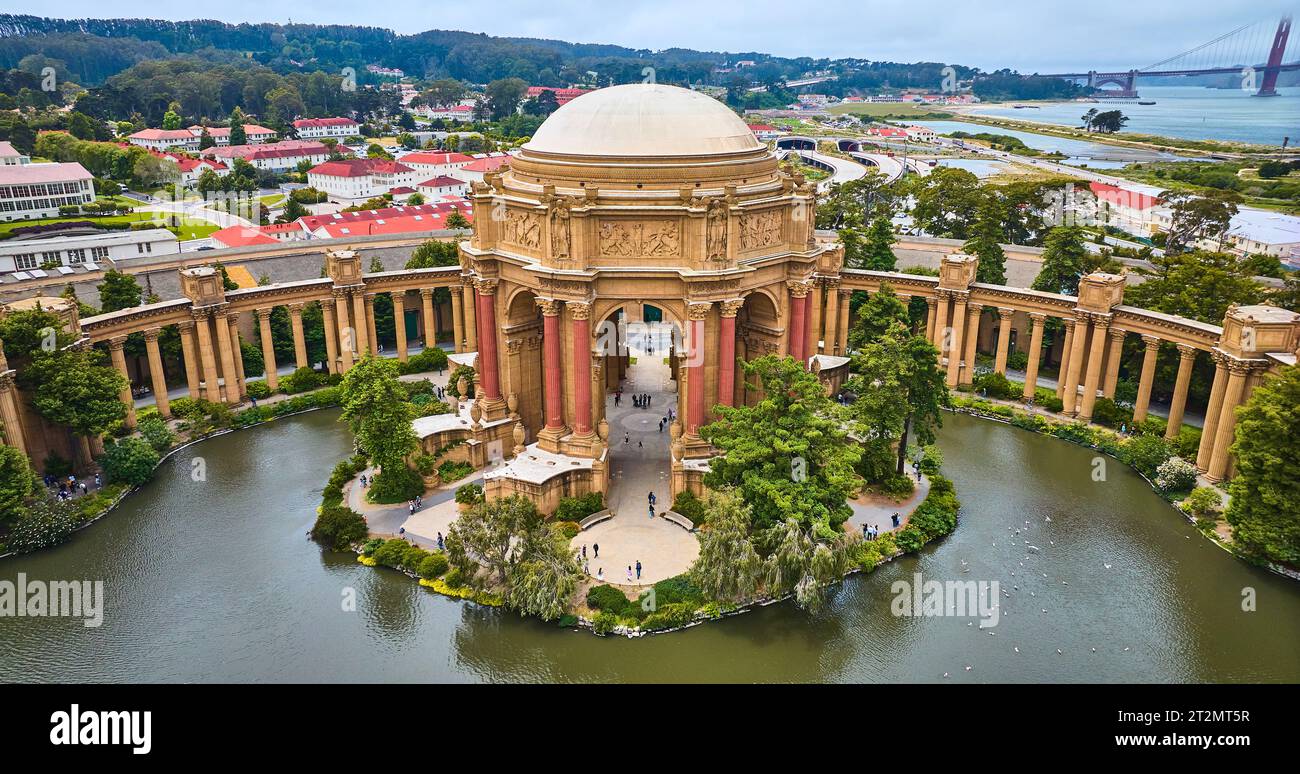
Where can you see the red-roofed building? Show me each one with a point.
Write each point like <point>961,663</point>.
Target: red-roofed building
<point>38,190</point>
<point>256,135</point>
<point>399,225</point>
<point>317,128</point>
<point>361,179</point>
<point>165,139</point>
<point>320,226</point>
<point>1131,211</point>
<point>434,163</point>
<point>446,112</point>
<point>562,96</point>
<point>764,133</point>
<point>240,236</point>
<point>280,156</point>
<point>481,165</point>
<point>442,185</point>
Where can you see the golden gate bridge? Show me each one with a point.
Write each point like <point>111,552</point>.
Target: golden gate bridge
<point>1248,51</point>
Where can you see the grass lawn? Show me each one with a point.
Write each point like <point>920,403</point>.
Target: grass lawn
<point>272,200</point>
<point>907,111</point>
<point>187,229</point>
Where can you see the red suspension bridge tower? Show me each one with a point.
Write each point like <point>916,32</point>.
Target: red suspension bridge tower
<point>1268,88</point>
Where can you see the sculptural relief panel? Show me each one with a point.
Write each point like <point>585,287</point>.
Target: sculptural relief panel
<point>639,239</point>
<point>759,230</point>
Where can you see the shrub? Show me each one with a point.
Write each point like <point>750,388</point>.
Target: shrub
<point>1175,475</point>
<point>690,506</point>
<point>156,434</point>
<point>1188,442</point>
<point>604,623</point>
<point>44,524</point>
<point>431,359</point>
<point>301,380</point>
<point>1110,414</point>
<point>342,473</point>
<point>339,527</point>
<point>678,589</point>
<point>455,578</point>
<point>569,529</point>
<point>669,616</point>
<point>1146,453</point>
<point>395,485</point>
<point>469,494</point>
<point>931,459</point>
<point>896,486</point>
<point>1052,403</point>
<point>452,470</point>
<point>434,565</point>
<point>1203,503</point>
<point>57,466</point>
<point>259,390</point>
<point>996,385</point>
<point>390,554</point>
<point>424,464</point>
<point>608,599</point>
<point>578,508</point>
<point>130,461</point>
<point>1017,361</point>
<point>454,380</point>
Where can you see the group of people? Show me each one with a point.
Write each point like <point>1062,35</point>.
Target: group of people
<point>641,400</point>
<point>67,487</point>
<point>415,503</point>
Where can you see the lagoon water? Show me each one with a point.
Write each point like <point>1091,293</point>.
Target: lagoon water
<point>215,581</point>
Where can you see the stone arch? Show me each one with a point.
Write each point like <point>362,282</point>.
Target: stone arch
<point>522,333</point>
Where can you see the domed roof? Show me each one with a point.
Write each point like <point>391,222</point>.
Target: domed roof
<point>643,119</point>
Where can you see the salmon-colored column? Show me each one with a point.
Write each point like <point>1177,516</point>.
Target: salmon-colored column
<point>1151,352</point>
<point>1186,357</point>
<point>727,351</point>
<point>551,363</point>
<point>1223,437</point>
<point>1213,412</point>
<point>695,314</point>
<point>159,379</point>
<point>189,354</point>
<point>1036,319</point>
<point>487,347</point>
<point>115,350</point>
<point>299,337</point>
<point>581,367</point>
<point>798,313</point>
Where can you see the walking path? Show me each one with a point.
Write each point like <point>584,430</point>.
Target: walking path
<point>878,510</point>
<point>639,464</point>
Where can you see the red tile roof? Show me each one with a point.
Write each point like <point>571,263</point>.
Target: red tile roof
<point>399,225</point>
<point>442,181</point>
<point>269,150</point>
<point>562,96</point>
<point>314,222</point>
<point>489,164</point>
<point>436,159</point>
<point>162,134</point>
<point>359,168</point>
<point>1123,197</point>
<point>304,123</point>
<point>241,236</point>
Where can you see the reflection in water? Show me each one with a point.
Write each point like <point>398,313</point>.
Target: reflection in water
<point>215,581</point>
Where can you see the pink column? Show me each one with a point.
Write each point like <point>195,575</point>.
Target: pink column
<point>727,353</point>
<point>695,400</point>
<point>798,314</point>
<point>487,345</point>
<point>551,366</point>
<point>581,367</point>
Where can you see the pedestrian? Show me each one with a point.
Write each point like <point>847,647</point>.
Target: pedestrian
<point>629,573</point>
<point>600,574</point>
<point>627,437</point>
<point>440,543</point>
<point>595,549</point>
<point>586,569</point>
<point>584,550</point>
<point>254,400</point>
<point>638,569</point>
<point>653,499</point>
<point>866,531</point>
<point>895,518</point>
<point>96,480</point>
<point>652,511</point>
<point>640,445</point>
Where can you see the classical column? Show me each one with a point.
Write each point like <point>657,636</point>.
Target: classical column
<point>1070,398</point>
<point>727,350</point>
<point>115,345</point>
<point>954,341</point>
<point>399,323</point>
<point>1005,317</point>
<point>973,313</point>
<point>695,314</point>
<point>268,348</point>
<point>1232,396</point>
<point>9,416</point>
<point>1036,321</point>
<point>189,354</point>
<point>940,322</point>
<point>331,343</point>
<point>212,384</point>
<point>581,367</point>
<point>1096,352</point>
<point>347,334</point>
<point>798,307</point>
<point>372,335</point>
<point>551,365</point>
<point>427,320</point>
<point>1152,351</point>
<point>842,345</point>
<point>299,337</point>
<point>1063,370</point>
<point>931,317</point>
<point>1205,451</point>
<point>360,323</point>
<point>473,311</point>
<point>458,328</point>
<point>813,335</point>
<point>237,351</point>
<point>832,335</point>
<point>226,355</point>
<point>157,378</point>
<point>1113,356</point>
<point>1186,357</point>
<point>487,348</point>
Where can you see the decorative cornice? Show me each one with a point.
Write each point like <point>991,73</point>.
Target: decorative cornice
<point>550,307</point>
<point>698,310</point>
<point>581,310</point>
<point>731,306</point>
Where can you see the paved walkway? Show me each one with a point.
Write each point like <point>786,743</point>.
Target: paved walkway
<point>877,510</point>
<point>639,464</point>
<point>1155,408</point>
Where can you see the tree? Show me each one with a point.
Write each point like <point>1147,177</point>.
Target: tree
<point>503,95</point>
<point>293,209</point>
<point>728,568</point>
<point>172,118</point>
<point>376,408</point>
<point>1063,261</point>
<point>72,388</point>
<point>545,576</point>
<point>1109,121</point>
<point>1265,507</point>
<point>877,250</point>
<point>206,141</point>
<point>1194,217</point>
<point>1089,118</point>
<point>130,461</point>
<point>946,202</point>
<point>457,219</point>
<point>238,136</point>
<point>500,533</point>
<point>434,253</point>
<point>800,563</point>
<point>856,202</point>
<point>789,456</point>
<point>119,291</point>
<point>17,483</point>
<point>880,312</point>
<point>1197,284</point>
<point>985,242</point>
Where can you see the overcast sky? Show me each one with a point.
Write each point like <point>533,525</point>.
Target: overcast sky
<point>1027,35</point>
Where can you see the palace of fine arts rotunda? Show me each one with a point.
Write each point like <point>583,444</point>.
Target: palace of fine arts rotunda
<point>645,242</point>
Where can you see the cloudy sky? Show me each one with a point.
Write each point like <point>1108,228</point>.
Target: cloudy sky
<point>1028,35</point>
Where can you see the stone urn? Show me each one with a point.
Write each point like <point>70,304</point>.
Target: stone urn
<point>475,412</point>
<point>675,430</point>
<point>678,450</point>
<point>519,438</point>
<point>462,388</point>
<point>602,429</point>
<point>512,405</point>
